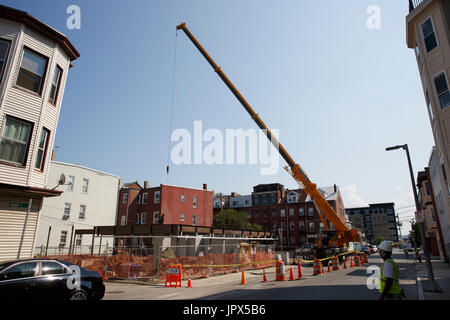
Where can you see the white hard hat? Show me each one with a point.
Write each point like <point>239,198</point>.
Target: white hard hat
<point>385,246</point>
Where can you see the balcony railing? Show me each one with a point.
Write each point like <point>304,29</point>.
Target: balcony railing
<point>414,4</point>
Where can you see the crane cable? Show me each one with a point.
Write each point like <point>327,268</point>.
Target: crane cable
<point>171,105</point>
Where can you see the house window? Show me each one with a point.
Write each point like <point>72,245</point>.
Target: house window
<point>157,198</point>
<point>194,202</point>
<point>429,35</point>
<point>125,197</point>
<point>63,239</point>
<point>32,71</point>
<point>247,202</point>
<point>310,212</point>
<point>123,221</point>
<point>82,215</point>
<point>274,212</point>
<point>418,55</point>
<point>440,82</point>
<point>427,188</point>
<point>182,217</point>
<point>291,212</point>
<point>292,239</point>
<point>144,198</point>
<point>301,225</point>
<point>4,50</point>
<point>70,183</point>
<point>54,88</point>
<point>283,225</point>
<point>78,240</point>
<point>311,227</point>
<point>321,226</point>
<point>15,140</point>
<point>430,110</point>
<point>143,217</point>
<point>444,173</point>
<point>67,207</point>
<point>282,213</point>
<point>85,186</point>
<point>156,217</point>
<point>301,212</point>
<point>42,149</point>
<point>139,199</point>
<point>274,226</point>
<point>194,220</point>
<point>291,225</point>
<point>183,198</point>
<point>137,218</point>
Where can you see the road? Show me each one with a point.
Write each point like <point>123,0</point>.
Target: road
<point>345,284</point>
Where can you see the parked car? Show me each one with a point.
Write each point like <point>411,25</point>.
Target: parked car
<point>372,250</point>
<point>366,249</point>
<point>49,279</point>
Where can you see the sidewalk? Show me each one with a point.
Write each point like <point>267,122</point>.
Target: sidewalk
<point>441,271</point>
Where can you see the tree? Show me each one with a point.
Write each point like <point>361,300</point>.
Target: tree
<point>378,239</point>
<point>414,235</point>
<point>231,219</point>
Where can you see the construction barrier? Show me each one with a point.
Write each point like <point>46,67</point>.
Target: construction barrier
<point>317,267</point>
<point>173,276</point>
<point>280,274</point>
<point>335,262</point>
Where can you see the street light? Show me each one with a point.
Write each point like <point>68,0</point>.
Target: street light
<point>434,286</point>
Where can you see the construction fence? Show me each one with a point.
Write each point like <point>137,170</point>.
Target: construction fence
<point>150,263</point>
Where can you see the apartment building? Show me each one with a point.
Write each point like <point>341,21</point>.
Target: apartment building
<point>428,34</point>
<point>90,198</point>
<point>34,63</point>
<point>376,219</point>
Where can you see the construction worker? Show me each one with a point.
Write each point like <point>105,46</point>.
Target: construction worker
<point>406,252</point>
<point>418,257</point>
<point>389,274</point>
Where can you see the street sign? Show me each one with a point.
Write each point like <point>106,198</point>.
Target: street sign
<point>18,204</point>
<point>419,216</point>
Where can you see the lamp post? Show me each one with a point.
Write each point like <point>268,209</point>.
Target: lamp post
<point>434,287</point>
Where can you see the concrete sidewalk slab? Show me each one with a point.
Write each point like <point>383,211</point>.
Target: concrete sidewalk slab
<point>441,271</point>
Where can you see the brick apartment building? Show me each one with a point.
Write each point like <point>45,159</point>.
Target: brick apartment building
<point>291,213</point>
<point>164,204</point>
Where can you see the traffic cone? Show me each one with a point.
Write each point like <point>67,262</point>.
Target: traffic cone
<point>243,278</point>
<point>329,268</point>
<point>321,268</point>
<point>299,271</point>
<point>345,264</point>
<point>264,275</point>
<point>351,263</point>
<point>291,275</point>
<point>189,285</point>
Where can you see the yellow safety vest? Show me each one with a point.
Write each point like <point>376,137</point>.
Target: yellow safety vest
<point>395,288</point>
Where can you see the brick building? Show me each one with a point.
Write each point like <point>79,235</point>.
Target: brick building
<point>291,213</point>
<point>164,204</point>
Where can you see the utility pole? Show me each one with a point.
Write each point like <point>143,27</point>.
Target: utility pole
<point>399,227</point>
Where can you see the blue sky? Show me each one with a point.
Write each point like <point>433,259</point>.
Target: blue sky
<point>338,92</point>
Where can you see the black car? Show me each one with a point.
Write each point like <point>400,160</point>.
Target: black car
<point>49,279</point>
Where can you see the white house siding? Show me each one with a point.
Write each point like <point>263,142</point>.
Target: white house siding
<point>100,201</point>
<point>239,202</point>
<point>29,106</point>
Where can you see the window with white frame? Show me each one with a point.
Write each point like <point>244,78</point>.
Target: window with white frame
<point>32,71</point>
<point>78,240</point>
<point>291,225</point>
<point>42,149</point>
<point>67,207</point>
<point>139,199</point>
<point>440,83</point>
<point>194,220</point>
<point>183,198</point>
<point>291,212</point>
<point>143,217</point>
<point>310,212</point>
<point>125,197</point>
<point>194,202</point>
<point>82,214</point>
<point>282,213</point>
<point>85,187</point>
<point>123,220</point>
<point>15,140</point>
<point>144,198</point>
<point>182,217</point>
<point>283,225</point>
<point>4,50</point>
<point>301,212</point>
<point>157,197</point>
<point>54,89</point>
<point>301,225</point>
<point>311,227</point>
<point>63,239</point>
<point>71,182</point>
<point>429,35</point>
<point>156,217</point>
<point>137,219</point>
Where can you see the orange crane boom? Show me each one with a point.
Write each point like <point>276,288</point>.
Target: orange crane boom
<point>343,233</point>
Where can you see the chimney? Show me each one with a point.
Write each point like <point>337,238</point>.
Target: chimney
<point>146,185</point>
<point>335,188</point>
<point>53,155</point>
<point>205,186</point>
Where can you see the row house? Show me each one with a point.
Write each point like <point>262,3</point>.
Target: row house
<point>431,223</point>
<point>164,204</point>
<point>34,63</point>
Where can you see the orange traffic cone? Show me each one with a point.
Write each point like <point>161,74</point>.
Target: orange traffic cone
<point>243,278</point>
<point>264,275</point>
<point>329,268</point>
<point>189,285</point>
<point>291,275</point>
<point>351,263</point>
<point>299,270</point>
<point>321,268</point>
<point>345,264</point>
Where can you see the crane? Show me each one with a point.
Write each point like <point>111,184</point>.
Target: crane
<point>341,235</point>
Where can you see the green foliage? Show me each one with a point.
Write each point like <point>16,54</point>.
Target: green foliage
<point>415,234</point>
<point>378,239</point>
<point>231,219</point>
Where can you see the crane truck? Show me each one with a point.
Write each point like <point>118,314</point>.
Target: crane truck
<point>330,241</point>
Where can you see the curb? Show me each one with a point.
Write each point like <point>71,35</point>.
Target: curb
<point>419,284</point>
